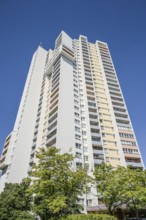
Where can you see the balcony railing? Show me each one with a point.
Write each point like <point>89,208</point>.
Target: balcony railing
<point>61,50</point>
<point>134,164</point>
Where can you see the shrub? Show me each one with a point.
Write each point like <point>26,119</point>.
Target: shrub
<point>89,217</point>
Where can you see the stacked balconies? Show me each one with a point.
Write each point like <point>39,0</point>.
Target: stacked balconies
<point>121,115</point>
<point>3,160</point>
<point>98,155</point>
<point>53,110</point>
<point>61,50</point>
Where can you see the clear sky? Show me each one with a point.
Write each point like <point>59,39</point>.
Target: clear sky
<point>120,23</point>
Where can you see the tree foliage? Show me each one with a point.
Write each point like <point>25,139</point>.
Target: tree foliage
<point>56,185</point>
<point>89,217</point>
<point>120,186</point>
<point>15,201</point>
<point>109,186</point>
<point>135,189</point>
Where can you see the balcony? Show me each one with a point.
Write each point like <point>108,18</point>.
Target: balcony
<point>51,141</point>
<point>31,160</point>
<point>117,99</point>
<point>33,145</point>
<point>92,114</point>
<point>119,111</point>
<point>33,151</point>
<point>116,94</point>
<point>92,104</point>
<point>52,129</point>
<point>112,82</point>
<point>122,118</point>
<point>113,89</point>
<point>95,134</point>
<point>8,138</point>
<point>37,125</point>
<point>97,151</point>
<point>6,145</point>
<point>88,76</point>
<point>51,136</point>
<point>97,143</point>
<point>3,163</point>
<point>94,127</point>
<point>122,121</point>
<point>62,50</point>
<point>98,161</point>
<point>92,120</point>
<point>4,151</point>
<point>118,104</point>
<point>109,76</point>
<point>132,154</point>
<point>134,164</point>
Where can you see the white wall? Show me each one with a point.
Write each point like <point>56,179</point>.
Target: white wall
<point>65,123</point>
<point>20,161</point>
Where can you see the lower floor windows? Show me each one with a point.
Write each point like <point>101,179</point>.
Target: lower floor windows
<point>78,145</point>
<point>89,202</point>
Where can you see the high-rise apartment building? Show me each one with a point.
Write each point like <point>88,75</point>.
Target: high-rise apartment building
<point>72,100</point>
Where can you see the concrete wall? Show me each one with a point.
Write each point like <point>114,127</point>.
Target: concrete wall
<point>26,121</point>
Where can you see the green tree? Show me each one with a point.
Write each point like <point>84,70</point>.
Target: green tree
<point>110,186</point>
<point>89,217</point>
<point>121,186</point>
<point>15,201</point>
<point>135,190</point>
<point>56,184</point>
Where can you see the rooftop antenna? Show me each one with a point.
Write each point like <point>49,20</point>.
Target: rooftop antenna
<point>41,45</point>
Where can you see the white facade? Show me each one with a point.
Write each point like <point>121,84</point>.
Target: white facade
<point>16,153</point>
<point>72,100</point>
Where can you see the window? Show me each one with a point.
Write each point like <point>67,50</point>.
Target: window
<point>78,155</point>
<point>84,132</point>
<point>76,107</point>
<point>107,159</point>
<point>98,156</point>
<point>77,121</point>
<point>83,125</point>
<point>77,114</point>
<point>75,101</point>
<point>97,147</point>
<point>83,118</point>
<point>78,164</point>
<point>85,140</point>
<point>88,189</point>
<point>77,129</point>
<point>81,201</point>
<point>75,81</point>
<point>78,145</point>
<point>85,149</point>
<point>89,202</point>
<point>75,85</point>
<point>75,90</point>
<point>86,158</point>
<point>75,96</point>
<point>78,137</point>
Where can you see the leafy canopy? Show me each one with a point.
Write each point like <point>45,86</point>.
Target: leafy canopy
<point>56,184</point>
<point>120,186</point>
<point>15,201</point>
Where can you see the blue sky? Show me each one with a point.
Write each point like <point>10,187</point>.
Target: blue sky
<point>120,23</point>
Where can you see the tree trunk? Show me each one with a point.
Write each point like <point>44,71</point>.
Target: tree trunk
<point>137,213</point>
<point>110,210</point>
